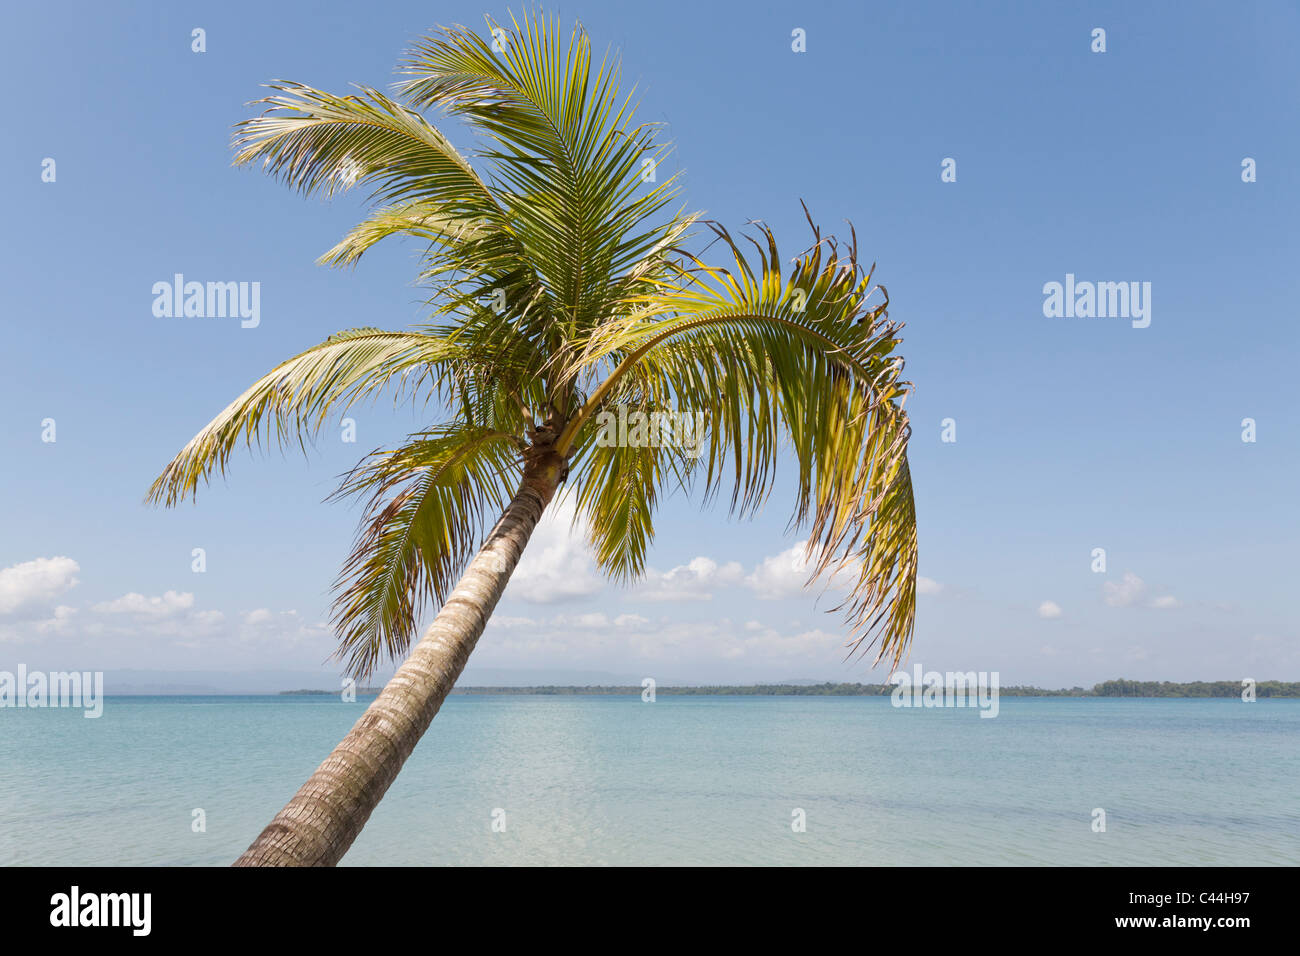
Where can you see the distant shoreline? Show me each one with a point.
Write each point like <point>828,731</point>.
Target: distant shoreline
<point>1108,689</point>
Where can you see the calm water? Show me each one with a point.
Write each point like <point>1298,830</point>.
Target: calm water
<point>696,780</point>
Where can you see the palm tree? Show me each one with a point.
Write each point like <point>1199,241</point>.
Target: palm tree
<point>560,289</point>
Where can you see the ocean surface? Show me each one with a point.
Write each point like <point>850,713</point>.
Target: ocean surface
<point>683,780</point>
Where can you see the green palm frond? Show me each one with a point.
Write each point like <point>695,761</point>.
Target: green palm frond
<point>560,285</point>
<point>568,157</point>
<point>423,218</point>
<point>293,400</point>
<point>618,486</point>
<point>318,142</point>
<point>426,512</point>
<point>797,360</point>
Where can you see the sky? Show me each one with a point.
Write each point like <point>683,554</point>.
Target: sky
<point>1071,433</point>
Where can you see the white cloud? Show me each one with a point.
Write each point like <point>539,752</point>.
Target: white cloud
<point>927,586</point>
<point>59,623</point>
<point>148,627</point>
<point>1131,591</point>
<point>170,617</point>
<point>557,565</point>
<point>133,620</point>
<point>284,629</point>
<point>36,583</point>
<point>816,646</point>
<point>569,637</point>
<point>786,575</point>
<point>511,622</point>
<point>782,575</point>
<point>169,605</point>
<point>693,581</point>
<point>1049,610</point>
<point>1124,593</point>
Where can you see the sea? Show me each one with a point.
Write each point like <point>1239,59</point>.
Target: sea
<point>683,780</point>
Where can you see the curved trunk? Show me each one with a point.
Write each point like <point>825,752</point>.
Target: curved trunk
<point>326,815</point>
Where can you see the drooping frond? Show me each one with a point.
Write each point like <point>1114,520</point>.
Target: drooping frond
<point>799,361</point>
<point>292,401</point>
<point>422,218</point>
<point>619,478</point>
<point>428,502</point>
<point>319,142</point>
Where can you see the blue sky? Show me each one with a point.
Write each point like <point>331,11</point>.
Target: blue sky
<point>1072,434</point>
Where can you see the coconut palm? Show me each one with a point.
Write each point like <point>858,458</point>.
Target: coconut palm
<point>560,288</point>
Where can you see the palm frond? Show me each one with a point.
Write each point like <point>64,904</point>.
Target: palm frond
<point>618,485</point>
<point>799,361</point>
<point>567,154</point>
<point>292,401</point>
<point>425,516</point>
<point>320,142</point>
<point>423,218</point>
<point>559,287</point>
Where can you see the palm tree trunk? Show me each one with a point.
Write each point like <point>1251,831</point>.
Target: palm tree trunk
<point>326,815</point>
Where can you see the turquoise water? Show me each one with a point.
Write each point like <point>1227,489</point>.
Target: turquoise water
<point>687,780</point>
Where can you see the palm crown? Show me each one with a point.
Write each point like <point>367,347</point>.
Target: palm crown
<point>560,286</point>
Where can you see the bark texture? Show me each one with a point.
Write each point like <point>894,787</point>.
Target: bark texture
<point>327,813</point>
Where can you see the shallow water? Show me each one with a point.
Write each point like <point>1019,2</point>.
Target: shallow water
<point>685,780</point>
